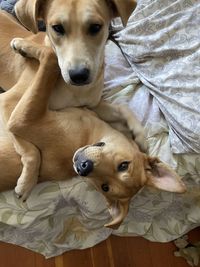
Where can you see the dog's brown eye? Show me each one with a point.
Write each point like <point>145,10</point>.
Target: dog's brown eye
<point>59,29</point>
<point>94,29</point>
<point>105,187</point>
<point>123,166</point>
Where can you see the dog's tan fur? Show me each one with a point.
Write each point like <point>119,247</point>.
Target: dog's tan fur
<point>58,135</point>
<point>74,49</point>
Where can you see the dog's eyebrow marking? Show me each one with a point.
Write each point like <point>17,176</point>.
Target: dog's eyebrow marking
<point>125,178</point>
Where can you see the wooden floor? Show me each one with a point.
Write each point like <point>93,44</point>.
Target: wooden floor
<point>114,252</point>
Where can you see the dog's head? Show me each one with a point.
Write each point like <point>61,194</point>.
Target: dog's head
<point>77,31</point>
<point>120,170</point>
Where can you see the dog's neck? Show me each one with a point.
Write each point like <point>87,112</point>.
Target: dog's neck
<point>102,132</point>
<point>77,96</point>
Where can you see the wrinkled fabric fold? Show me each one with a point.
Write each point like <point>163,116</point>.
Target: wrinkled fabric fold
<point>162,45</point>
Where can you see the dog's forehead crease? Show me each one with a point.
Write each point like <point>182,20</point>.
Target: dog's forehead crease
<point>77,19</point>
<point>124,153</point>
<point>77,8</point>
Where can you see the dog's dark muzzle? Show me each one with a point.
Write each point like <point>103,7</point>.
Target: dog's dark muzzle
<point>84,168</point>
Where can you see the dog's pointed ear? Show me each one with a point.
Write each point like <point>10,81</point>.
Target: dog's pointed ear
<point>28,12</point>
<point>123,9</point>
<point>118,210</point>
<point>161,176</point>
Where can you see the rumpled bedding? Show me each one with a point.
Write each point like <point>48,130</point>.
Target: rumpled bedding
<point>157,76</point>
<point>162,44</point>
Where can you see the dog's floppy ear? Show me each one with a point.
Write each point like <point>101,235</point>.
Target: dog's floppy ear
<point>123,9</point>
<point>161,176</point>
<point>118,210</point>
<point>27,12</point>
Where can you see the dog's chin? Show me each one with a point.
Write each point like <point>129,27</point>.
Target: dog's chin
<point>85,84</point>
<point>79,85</point>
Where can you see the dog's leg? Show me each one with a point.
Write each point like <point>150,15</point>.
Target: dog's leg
<point>34,103</point>
<point>30,158</point>
<point>31,107</point>
<point>123,119</point>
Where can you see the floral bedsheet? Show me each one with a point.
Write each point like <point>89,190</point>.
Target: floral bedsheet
<point>60,216</point>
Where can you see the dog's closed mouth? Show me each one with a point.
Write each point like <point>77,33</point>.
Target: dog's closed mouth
<point>79,84</point>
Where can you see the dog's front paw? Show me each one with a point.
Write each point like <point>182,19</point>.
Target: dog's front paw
<point>24,187</point>
<point>141,141</point>
<point>29,49</point>
<point>17,45</point>
<point>135,127</point>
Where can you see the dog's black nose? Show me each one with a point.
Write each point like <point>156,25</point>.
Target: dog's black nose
<point>84,167</point>
<point>79,76</point>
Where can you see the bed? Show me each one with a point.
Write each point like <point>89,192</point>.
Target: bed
<point>155,69</point>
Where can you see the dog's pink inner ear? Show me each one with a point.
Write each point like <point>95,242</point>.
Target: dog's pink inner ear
<point>161,176</point>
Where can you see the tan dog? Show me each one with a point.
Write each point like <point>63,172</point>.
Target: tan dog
<point>109,159</point>
<point>77,30</point>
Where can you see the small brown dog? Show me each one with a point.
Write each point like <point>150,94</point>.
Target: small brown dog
<point>111,161</point>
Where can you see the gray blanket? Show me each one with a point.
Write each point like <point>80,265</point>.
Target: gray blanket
<point>8,5</point>
<point>162,44</point>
